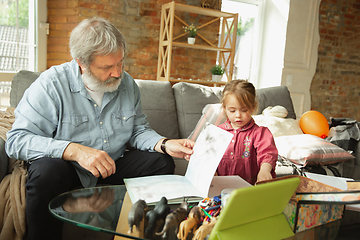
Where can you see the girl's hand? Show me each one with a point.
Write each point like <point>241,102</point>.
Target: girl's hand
<point>264,173</point>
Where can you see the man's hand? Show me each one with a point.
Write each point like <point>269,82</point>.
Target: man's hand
<point>96,161</point>
<point>180,148</point>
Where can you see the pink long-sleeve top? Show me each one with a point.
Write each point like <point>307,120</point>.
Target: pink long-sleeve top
<point>250,147</point>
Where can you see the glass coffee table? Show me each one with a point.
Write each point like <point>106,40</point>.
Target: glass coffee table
<point>106,209</point>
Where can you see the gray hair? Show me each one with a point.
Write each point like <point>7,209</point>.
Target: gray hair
<point>95,36</point>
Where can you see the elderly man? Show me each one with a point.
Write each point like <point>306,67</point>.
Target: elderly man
<point>73,122</point>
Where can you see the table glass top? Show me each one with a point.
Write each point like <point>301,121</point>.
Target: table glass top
<point>106,209</point>
<point>96,208</point>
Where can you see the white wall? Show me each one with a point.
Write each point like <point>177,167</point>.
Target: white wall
<point>289,48</point>
<point>301,52</point>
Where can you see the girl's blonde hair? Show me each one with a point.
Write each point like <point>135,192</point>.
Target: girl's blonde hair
<point>245,93</point>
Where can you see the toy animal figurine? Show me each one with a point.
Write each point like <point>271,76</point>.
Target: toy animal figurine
<point>161,210</point>
<point>136,214</point>
<point>173,219</point>
<point>190,223</point>
<point>204,230</point>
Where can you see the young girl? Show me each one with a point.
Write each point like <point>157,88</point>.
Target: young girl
<point>252,153</point>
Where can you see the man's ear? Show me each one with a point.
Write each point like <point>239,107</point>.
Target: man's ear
<point>82,66</point>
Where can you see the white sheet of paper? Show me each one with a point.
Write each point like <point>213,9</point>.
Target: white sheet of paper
<point>337,182</point>
<point>208,152</point>
<point>219,183</point>
<point>353,207</point>
<point>152,188</point>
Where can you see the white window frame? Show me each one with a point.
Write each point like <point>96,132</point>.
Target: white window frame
<point>40,16</point>
<point>258,29</point>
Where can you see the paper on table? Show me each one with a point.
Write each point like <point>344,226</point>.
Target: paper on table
<point>219,183</point>
<point>208,151</point>
<point>337,182</point>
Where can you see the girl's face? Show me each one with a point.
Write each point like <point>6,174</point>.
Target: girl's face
<point>238,115</point>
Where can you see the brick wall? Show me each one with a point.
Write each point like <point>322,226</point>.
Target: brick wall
<point>63,16</point>
<point>335,88</point>
<point>139,21</point>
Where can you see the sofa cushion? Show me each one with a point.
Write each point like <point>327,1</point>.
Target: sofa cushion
<point>273,96</point>
<point>158,103</point>
<point>20,82</point>
<point>306,149</point>
<point>190,100</point>
<point>279,126</point>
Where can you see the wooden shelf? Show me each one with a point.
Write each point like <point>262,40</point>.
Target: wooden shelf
<point>202,82</point>
<point>202,11</point>
<point>197,46</point>
<point>167,40</point>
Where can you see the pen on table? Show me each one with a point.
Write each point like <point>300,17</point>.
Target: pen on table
<point>211,208</point>
<point>206,213</point>
<point>216,213</point>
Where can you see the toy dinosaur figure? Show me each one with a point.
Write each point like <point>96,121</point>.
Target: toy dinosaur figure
<point>190,223</point>
<point>204,230</point>
<point>173,219</point>
<point>161,210</point>
<point>136,214</point>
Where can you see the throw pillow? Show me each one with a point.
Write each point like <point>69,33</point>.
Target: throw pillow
<point>279,126</point>
<point>211,113</point>
<point>306,149</point>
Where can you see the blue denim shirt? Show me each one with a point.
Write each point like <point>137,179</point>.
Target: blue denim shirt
<point>57,109</point>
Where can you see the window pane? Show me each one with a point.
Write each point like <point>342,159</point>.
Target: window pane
<point>17,49</point>
<point>245,36</point>
<point>4,95</point>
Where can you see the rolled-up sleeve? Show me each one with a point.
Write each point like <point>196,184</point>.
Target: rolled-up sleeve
<point>265,147</point>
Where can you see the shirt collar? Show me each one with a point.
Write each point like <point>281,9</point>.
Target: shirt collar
<point>246,127</point>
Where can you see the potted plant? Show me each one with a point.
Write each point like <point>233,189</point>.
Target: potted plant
<point>217,71</point>
<point>191,31</point>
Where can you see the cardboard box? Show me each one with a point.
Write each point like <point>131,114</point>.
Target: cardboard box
<point>315,203</point>
<point>304,216</point>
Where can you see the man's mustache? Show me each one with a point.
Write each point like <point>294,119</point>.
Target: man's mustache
<point>112,79</point>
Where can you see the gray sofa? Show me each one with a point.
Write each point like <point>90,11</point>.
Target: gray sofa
<point>173,111</point>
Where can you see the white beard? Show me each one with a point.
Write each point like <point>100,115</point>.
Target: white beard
<point>95,85</point>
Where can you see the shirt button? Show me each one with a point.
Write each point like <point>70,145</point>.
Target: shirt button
<point>231,153</point>
<point>232,140</point>
<point>235,131</point>
<point>100,123</point>
<point>124,118</point>
<point>105,141</point>
<point>95,105</point>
